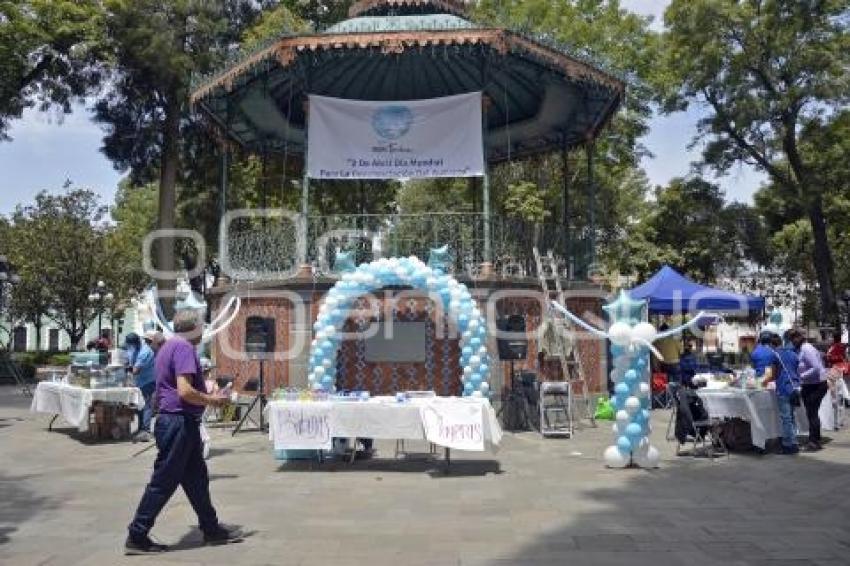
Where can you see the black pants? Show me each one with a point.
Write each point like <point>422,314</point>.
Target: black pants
<point>812,395</point>
<point>180,462</point>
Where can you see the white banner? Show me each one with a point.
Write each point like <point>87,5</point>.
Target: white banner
<point>358,139</point>
<point>458,425</point>
<point>300,426</point>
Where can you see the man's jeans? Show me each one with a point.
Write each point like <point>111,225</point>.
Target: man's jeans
<point>179,462</point>
<point>786,418</point>
<point>146,414</point>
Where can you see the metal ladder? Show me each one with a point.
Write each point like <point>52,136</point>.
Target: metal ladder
<point>572,370</point>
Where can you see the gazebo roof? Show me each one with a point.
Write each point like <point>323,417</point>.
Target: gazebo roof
<point>540,95</point>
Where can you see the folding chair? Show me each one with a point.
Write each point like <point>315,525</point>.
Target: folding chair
<point>694,425</point>
<point>659,386</point>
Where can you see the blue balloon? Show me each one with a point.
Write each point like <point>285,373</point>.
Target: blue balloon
<point>327,381</point>
<point>617,350</point>
<point>475,342</point>
<point>634,430</point>
<point>624,445</point>
<point>621,390</point>
<point>640,363</point>
<point>484,369</point>
<point>462,321</point>
<point>468,388</point>
<point>467,351</point>
<point>631,377</point>
<point>326,346</point>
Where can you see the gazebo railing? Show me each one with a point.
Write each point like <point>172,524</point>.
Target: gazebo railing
<point>267,249</point>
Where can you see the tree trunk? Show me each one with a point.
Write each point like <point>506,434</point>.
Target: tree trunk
<point>37,327</point>
<point>823,262</point>
<point>169,163</point>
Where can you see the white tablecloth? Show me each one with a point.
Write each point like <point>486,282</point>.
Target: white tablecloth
<point>380,418</point>
<point>73,403</point>
<point>759,407</point>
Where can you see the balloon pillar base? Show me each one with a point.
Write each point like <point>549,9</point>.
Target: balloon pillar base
<point>305,271</point>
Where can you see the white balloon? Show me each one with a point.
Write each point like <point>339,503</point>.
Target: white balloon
<point>620,334</point>
<point>467,371</point>
<point>331,302</point>
<point>617,375</point>
<point>649,459</point>
<point>327,363</point>
<point>632,405</point>
<point>431,282</point>
<point>474,324</point>
<point>485,388</point>
<point>454,305</point>
<point>623,362</point>
<point>466,336</point>
<point>644,331</point>
<point>623,418</point>
<point>482,351</point>
<point>613,458</point>
<point>644,389</point>
<point>319,371</point>
<point>476,313</point>
<point>477,394</point>
<point>474,362</point>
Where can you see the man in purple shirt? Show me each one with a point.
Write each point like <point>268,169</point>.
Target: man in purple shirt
<point>181,402</point>
<point>814,385</point>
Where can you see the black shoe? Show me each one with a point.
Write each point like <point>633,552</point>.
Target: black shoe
<point>812,446</point>
<point>142,546</point>
<point>790,450</point>
<point>223,534</point>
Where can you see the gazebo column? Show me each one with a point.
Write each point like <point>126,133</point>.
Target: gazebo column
<point>487,264</point>
<point>565,218</point>
<point>590,151</point>
<point>305,270</point>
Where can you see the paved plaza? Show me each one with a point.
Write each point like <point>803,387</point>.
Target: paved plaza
<point>65,501</point>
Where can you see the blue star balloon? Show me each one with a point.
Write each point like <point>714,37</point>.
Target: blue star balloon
<point>439,258</point>
<point>625,309</point>
<point>344,262</point>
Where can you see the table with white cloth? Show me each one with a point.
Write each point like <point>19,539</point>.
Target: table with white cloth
<point>757,406</point>
<point>450,422</point>
<point>74,403</point>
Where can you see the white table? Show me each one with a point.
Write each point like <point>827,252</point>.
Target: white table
<point>73,403</point>
<point>379,418</point>
<point>757,406</point>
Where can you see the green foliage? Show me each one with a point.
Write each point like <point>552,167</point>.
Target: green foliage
<point>767,70</point>
<point>437,195</point>
<point>524,201</point>
<point>273,23</point>
<point>134,215</point>
<point>59,244</point>
<point>49,54</point>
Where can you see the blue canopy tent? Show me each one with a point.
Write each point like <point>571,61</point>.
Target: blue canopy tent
<point>670,292</point>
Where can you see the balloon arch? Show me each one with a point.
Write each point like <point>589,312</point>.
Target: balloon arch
<point>453,296</point>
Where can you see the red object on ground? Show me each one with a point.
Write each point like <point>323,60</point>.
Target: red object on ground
<point>836,357</point>
<point>659,382</point>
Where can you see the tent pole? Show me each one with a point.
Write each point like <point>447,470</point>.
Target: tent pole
<point>487,264</point>
<point>568,237</point>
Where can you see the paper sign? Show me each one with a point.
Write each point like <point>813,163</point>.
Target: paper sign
<point>301,426</point>
<point>454,425</point>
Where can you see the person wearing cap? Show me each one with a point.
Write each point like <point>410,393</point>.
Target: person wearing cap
<point>141,362</point>
<point>154,339</point>
<point>763,355</point>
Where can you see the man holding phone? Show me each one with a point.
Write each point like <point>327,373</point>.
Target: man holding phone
<point>181,400</point>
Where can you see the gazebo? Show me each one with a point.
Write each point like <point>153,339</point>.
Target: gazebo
<point>537,96</point>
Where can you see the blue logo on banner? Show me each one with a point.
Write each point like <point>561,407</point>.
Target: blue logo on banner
<point>392,122</point>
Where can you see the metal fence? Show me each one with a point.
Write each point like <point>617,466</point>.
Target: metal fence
<point>266,249</point>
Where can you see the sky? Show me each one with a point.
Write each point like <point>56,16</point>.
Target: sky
<point>49,149</point>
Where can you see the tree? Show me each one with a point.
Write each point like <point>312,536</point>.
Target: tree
<point>49,54</point>
<point>60,245</point>
<point>766,69</point>
<point>155,48</point>
<point>134,215</point>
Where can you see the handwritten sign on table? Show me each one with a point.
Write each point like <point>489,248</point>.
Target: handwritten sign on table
<point>301,426</point>
<point>454,425</point>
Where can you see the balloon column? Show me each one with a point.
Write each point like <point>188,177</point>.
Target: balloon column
<point>454,298</point>
<point>630,343</point>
